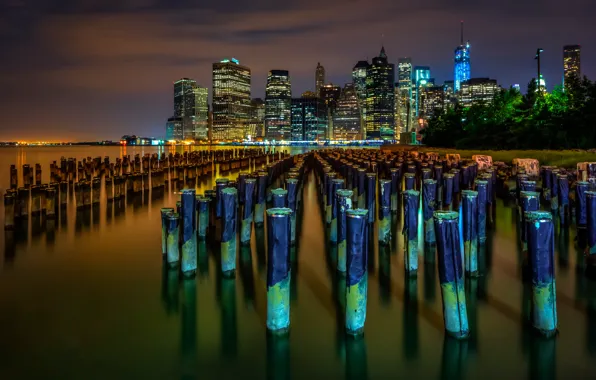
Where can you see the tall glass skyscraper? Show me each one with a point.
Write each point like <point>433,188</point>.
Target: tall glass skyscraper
<point>462,61</point>
<point>380,98</point>
<point>421,78</point>
<point>346,121</point>
<point>309,119</point>
<point>278,105</point>
<point>404,84</point>
<point>319,78</point>
<point>231,100</point>
<point>571,62</point>
<point>359,80</point>
<point>191,106</point>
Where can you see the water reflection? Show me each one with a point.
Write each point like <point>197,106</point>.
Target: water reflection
<point>229,330</point>
<point>170,280</point>
<point>189,328</point>
<point>385,274</point>
<point>455,354</point>
<point>542,358</point>
<point>261,251</point>
<point>472,309</point>
<point>356,360</point>
<point>410,318</point>
<point>9,247</point>
<point>563,247</point>
<point>246,275</point>
<point>278,357</point>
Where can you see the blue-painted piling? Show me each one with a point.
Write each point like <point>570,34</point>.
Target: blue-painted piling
<point>261,198</point>
<point>336,184</point>
<point>451,274</point>
<point>541,252</point>
<point>220,184</point>
<point>554,190</point>
<point>228,231</point>
<point>203,216</point>
<point>456,181</point>
<point>371,196</point>
<point>241,187</point>
<point>591,222</point>
<point>546,182</point>
<point>563,194</point>
<point>447,189</point>
<point>410,231</point>
<point>580,204</point>
<point>361,188</point>
<point>173,239</point>
<point>429,201</point>
<point>279,198</point>
<point>329,196</point>
<point>470,227</point>
<point>247,212</point>
<point>278,270</point>
<point>529,201</point>
<point>189,237</point>
<point>395,187</point>
<point>527,186</point>
<point>409,181</point>
<point>385,211</point>
<point>164,228</point>
<point>356,268</point>
<point>482,189</point>
<point>292,185</point>
<point>344,203</point>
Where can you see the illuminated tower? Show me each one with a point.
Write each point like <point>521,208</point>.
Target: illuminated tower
<point>278,105</point>
<point>462,61</point>
<point>421,78</point>
<point>404,103</point>
<point>319,78</point>
<point>192,107</point>
<point>571,62</point>
<point>359,80</point>
<point>231,100</point>
<point>380,99</point>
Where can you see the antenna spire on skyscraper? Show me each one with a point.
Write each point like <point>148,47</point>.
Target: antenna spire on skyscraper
<point>462,32</point>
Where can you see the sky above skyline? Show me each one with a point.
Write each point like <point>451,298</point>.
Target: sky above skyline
<point>91,69</point>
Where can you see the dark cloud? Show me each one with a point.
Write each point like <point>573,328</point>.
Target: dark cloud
<point>100,69</point>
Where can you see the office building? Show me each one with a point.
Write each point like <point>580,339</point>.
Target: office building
<point>420,78</point>
<point>191,105</point>
<point>174,129</point>
<point>319,78</point>
<point>404,102</point>
<point>330,94</point>
<point>346,121</point>
<point>278,105</point>
<point>462,62</point>
<point>449,94</point>
<point>309,119</point>
<point>256,126</point>
<point>571,62</point>
<point>231,100</point>
<point>433,101</point>
<point>478,91</point>
<point>380,99</point>
<point>359,80</point>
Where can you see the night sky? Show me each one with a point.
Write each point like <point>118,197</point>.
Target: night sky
<point>98,69</point>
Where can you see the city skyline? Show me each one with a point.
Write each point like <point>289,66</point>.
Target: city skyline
<point>100,73</point>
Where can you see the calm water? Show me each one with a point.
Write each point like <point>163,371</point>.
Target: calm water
<point>86,297</point>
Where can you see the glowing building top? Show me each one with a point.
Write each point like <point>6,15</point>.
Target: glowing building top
<point>571,62</point>
<point>462,61</point>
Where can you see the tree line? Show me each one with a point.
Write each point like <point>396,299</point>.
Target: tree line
<point>562,119</point>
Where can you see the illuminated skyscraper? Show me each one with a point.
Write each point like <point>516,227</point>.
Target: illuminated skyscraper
<point>404,84</point>
<point>478,91</point>
<point>278,105</point>
<point>192,107</point>
<point>421,78</point>
<point>309,119</point>
<point>174,129</point>
<point>380,99</point>
<point>231,100</point>
<point>319,78</point>
<point>359,80</point>
<point>462,61</point>
<point>450,96</point>
<point>433,101</point>
<point>346,121</point>
<point>256,128</point>
<point>330,94</point>
<point>571,62</point>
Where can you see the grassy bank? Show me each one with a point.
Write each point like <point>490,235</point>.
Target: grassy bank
<point>561,158</point>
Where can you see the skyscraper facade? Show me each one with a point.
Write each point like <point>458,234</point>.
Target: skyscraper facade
<point>192,107</point>
<point>256,127</point>
<point>478,91</point>
<point>359,80</point>
<point>309,119</point>
<point>462,62</point>
<point>231,100</point>
<point>319,78</point>
<point>421,78</point>
<point>404,85</point>
<point>380,98</point>
<point>278,105</point>
<point>346,121</point>
<point>571,62</point>
<point>174,129</point>
<point>433,101</point>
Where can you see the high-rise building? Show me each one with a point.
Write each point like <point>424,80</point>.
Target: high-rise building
<point>420,78</point>
<point>174,129</point>
<point>462,61</point>
<point>330,94</point>
<point>346,121</point>
<point>319,78</point>
<point>278,105</point>
<point>478,91</point>
<point>256,126</point>
<point>192,106</point>
<point>450,96</point>
<point>200,113</point>
<point>433,101</point>
<point>380,98</point>
<point>571,62</point>
<point>309,119</point>
<point>404,103</point>
<point>359,80</point>
<point>231,100</point>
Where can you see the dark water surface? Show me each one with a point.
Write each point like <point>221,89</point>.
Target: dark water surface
<point>87,297</point>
